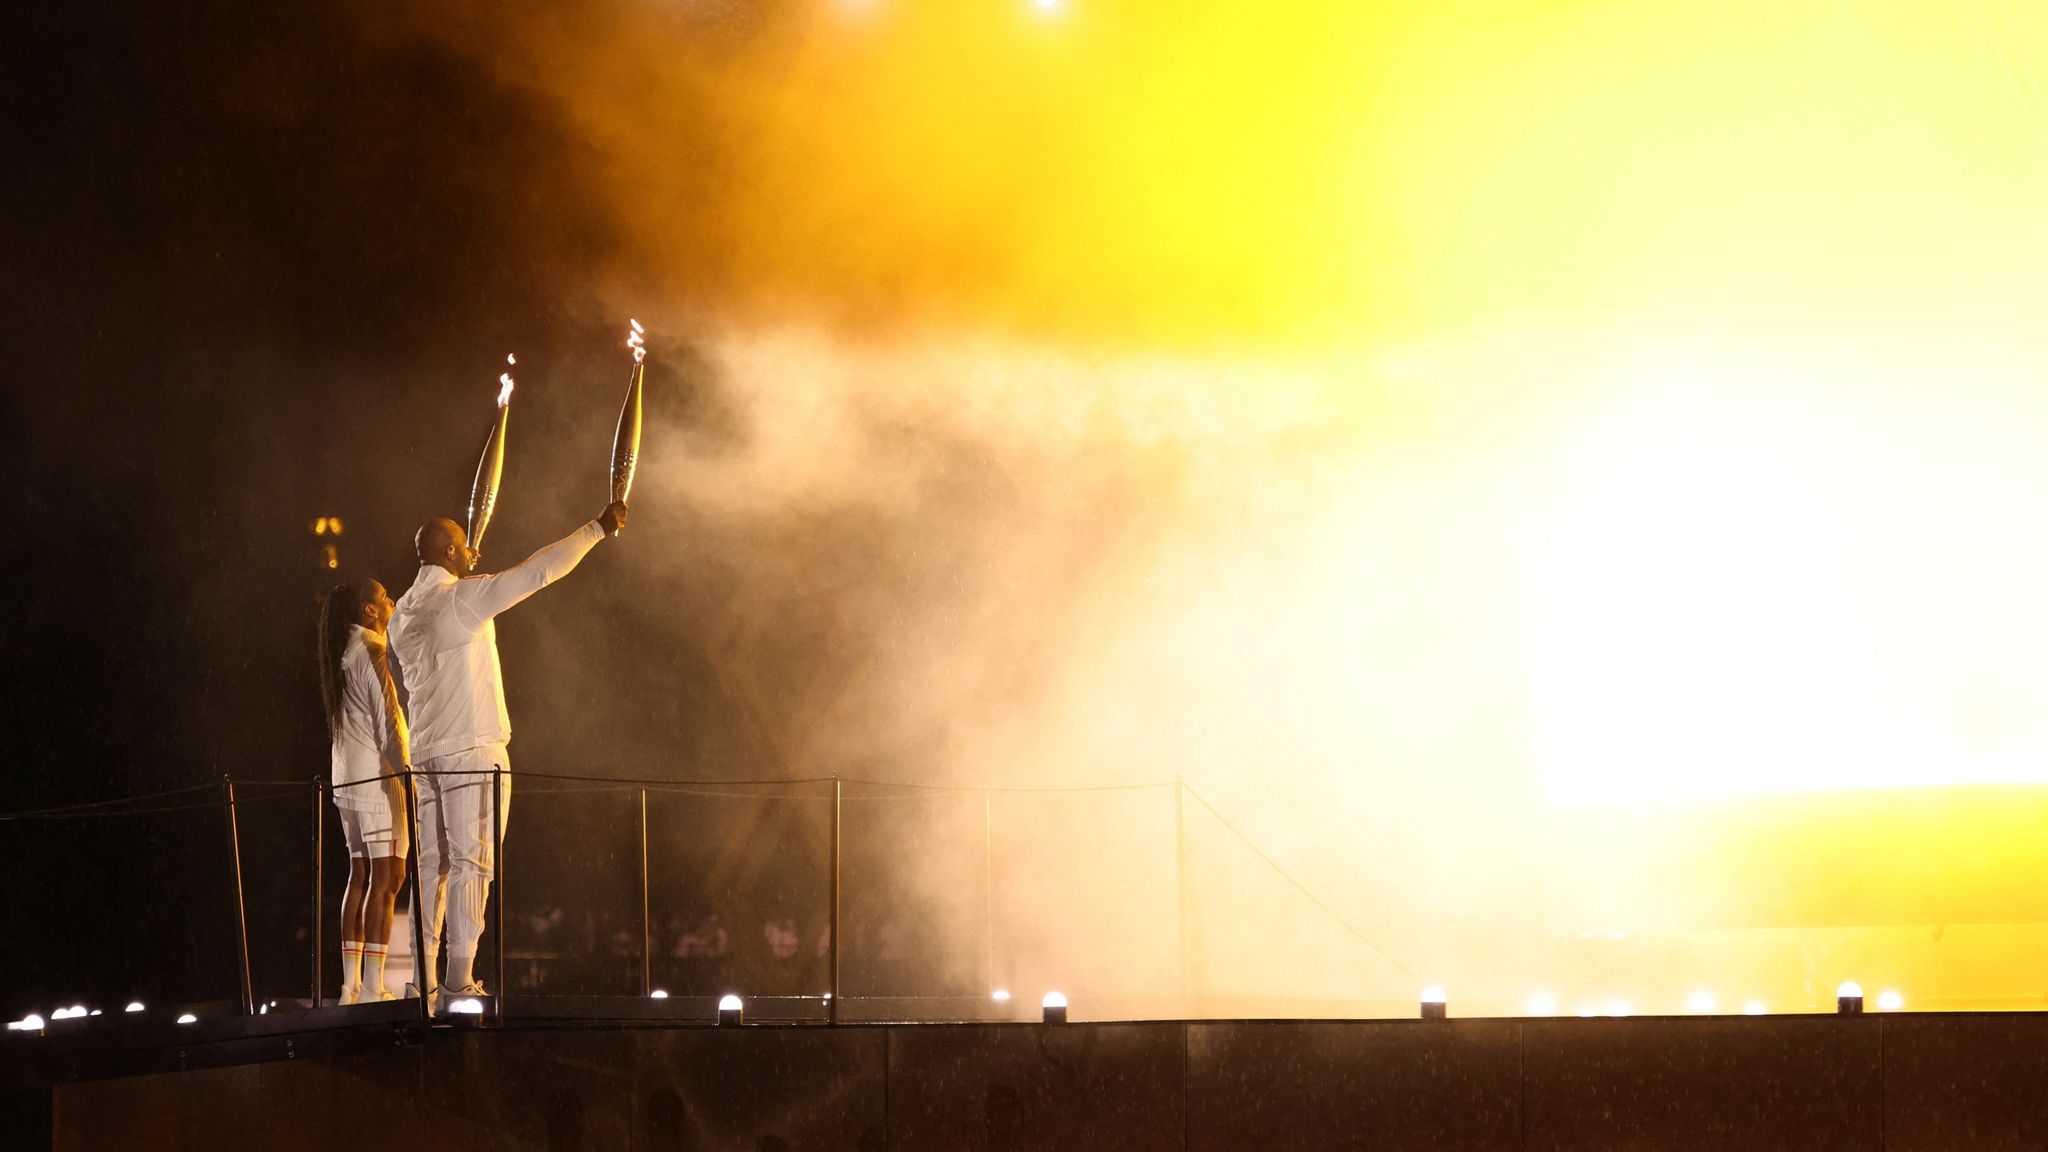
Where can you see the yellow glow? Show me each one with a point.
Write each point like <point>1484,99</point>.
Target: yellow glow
<point>1311,172</point>
<point>1410,422</point>
<point>1791,572</point>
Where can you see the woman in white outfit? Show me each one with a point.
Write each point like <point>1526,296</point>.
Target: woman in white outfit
<point>370,745</point>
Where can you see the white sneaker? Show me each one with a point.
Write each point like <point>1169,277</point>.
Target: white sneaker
<point>444,996</point>
<point>350,995</point>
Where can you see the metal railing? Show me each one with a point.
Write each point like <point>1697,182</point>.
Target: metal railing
<point>234,796</point>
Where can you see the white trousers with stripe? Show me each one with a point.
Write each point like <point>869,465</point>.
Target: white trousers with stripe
<point>457,846</point>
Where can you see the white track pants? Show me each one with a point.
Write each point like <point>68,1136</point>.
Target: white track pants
<point>456,847</point>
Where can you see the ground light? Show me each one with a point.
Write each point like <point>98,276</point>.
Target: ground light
<point>1054,1007</point>
<point>657,994</point>
<point>1700,1001</point>
<point>28,1023</point>
<point>1434,1003</point>
<point>1000,996</point>
<point>133,1006</point>
<point>188,1018</point>
<point>1753,1008</point>
<point>1542,1004</point>
<point>731,1010</point>
<point>1849,999</point>
<point>467,1006</point>
<point>1889,1000</point>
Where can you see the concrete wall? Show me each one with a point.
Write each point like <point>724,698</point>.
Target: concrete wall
<point>1812,1083</point>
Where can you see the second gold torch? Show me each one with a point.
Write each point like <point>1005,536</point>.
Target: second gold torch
<point>490,468</point>
<point>626,440</point>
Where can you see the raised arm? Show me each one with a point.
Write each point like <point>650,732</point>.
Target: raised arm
<point>483,597</point>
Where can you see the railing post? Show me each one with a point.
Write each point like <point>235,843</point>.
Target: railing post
<point>646,925</point>
<point>1180,874</point>
<point>420,975</point>
<point>988,889</point>
<point>241,913</point>
<point>498,879</point>
<point>838,800</point>
<point>319,839</point>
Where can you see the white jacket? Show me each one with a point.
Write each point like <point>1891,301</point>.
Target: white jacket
<point>370,735</point>
<point>447,645</point>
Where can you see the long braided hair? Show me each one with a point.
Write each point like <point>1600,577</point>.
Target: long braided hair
<point>342,607</point>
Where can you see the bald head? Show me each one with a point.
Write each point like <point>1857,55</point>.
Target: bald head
<point>443,544</point>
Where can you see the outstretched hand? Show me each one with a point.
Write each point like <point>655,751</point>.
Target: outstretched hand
<point>613,518</point>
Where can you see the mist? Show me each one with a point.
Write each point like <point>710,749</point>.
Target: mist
<point>1518,469</point>
<point>1075,398</point>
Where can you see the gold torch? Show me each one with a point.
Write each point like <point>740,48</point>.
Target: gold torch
<point>626,441</point>
<point>483,493</point>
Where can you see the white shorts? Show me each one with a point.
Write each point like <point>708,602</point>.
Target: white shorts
<point>378,830</point>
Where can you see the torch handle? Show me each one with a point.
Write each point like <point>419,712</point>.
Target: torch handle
<point>626,440</point>
<point>490,470</point>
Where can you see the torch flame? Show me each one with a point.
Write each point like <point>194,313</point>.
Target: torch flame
<point>637,329</point>
<point>511,359</point>
<point>636,341</point>
<point>505,393</point>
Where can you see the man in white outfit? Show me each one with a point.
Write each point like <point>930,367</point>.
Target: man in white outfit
<point>447,649</point>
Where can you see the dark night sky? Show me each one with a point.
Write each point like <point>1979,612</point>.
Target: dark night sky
<point>245,254</point>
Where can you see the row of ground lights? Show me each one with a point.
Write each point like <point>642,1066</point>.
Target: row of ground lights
<point>1848,1002</point>
<point>1435,1006</point>
<point>34,1023</point>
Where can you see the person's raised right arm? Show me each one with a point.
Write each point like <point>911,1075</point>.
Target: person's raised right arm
<point>483,597</point>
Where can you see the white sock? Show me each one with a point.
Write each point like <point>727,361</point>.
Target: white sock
<point>352,964</point>
<point>460,974</point>
<point>373,970</point>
